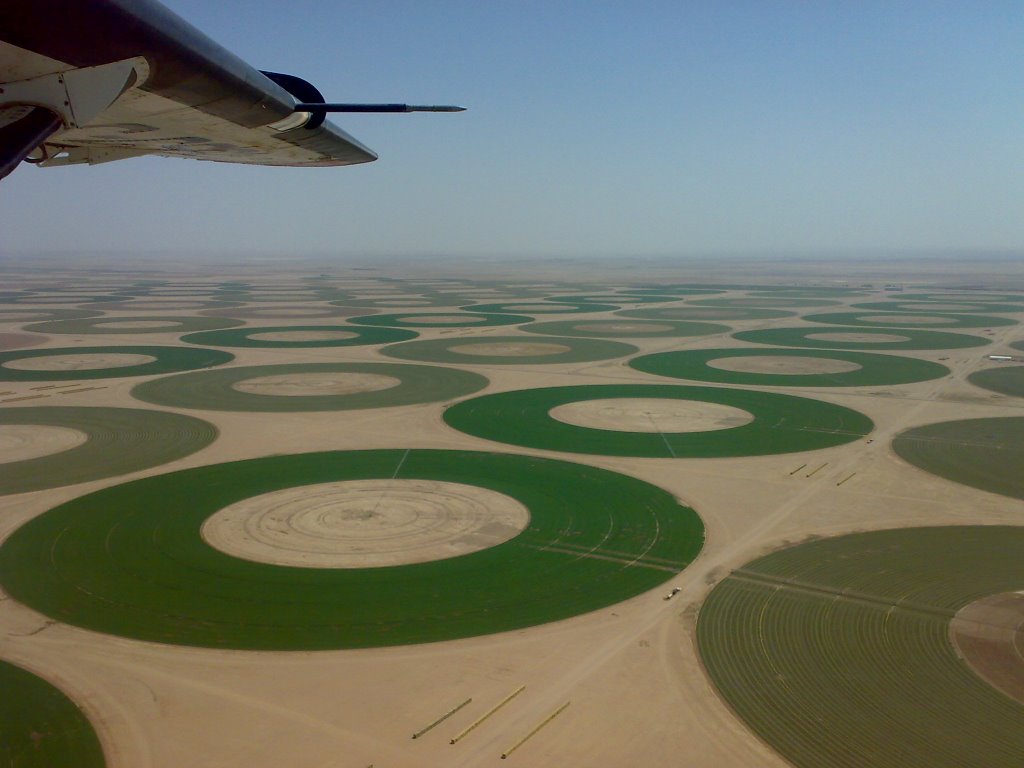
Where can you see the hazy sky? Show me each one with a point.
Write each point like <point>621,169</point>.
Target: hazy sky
<point>593,128</point>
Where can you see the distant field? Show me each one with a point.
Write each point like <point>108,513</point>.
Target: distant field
<point>982,453</point>
<point>1007,380</point>
<point>837,652</point>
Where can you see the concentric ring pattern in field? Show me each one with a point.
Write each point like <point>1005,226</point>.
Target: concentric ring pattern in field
<point>780,424</point>
<point>705,313</point>
<point>837,652</point>
<point>617,327</point>
<point>215,390</point>
<point>509,350</point>
<point>129,560</point>
<point>303,335</point>
<point>133,324</point>
<point>118,441</point>
<point>40,727</point>
<point>1006,380</point>
<point>166,360</point>
<point>982,453</point>
<point>453,319</point>
<point>903,319</point>
<point>875,369</point>
<point>911,338</point>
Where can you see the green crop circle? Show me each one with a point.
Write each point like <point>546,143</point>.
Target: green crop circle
<point>286,312</point>
<point>767,302</point>
<point>444,350</point>
<point>632,329</point>
<point>422,320</point>
<point>705,313</point>
<point>838,652</point>
<point>105,324</point>
<point>242,337</point>
<point>640,297</point>
<point>962,296</point>
<point>893,320</point>
<point>542,307</point>
<point>1008,380</point>
<point>130,560</point>
<point>40,727</point>
<point>399,302</point>
<point>34,314</point>
<point>875,369</point>
<point>212,390</point>
<point>168,360</point>
<point>915,338</point>
<point>924,307</point>
<point>119,441</point>
<point>781,424</point>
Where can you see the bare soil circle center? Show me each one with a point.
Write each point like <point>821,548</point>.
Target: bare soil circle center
<point>784,364</point>
<point>326,383</point>
<point>641,414</point>
<point>300,336</point>
<point>645,327</point>
<point>989,635</point>
<point>76,362</point>
<point>365,523</point>
<point>20,442</point>
<point>906,319</point>
<point>857,337</point>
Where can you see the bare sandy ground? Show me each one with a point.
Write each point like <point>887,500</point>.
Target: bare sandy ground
<point>328,383</point>
<point>637,694</point>
<point>19,442</point>
<point>131,325</point>
<point>905,319</point>
<point>649,414</point>
<point>76,362</point>
<point>989,635</point>
<point>366,523</point>
<point>791,364</point>
<point>510,349</point>
<point>625,327</point>
<point>856,337</point>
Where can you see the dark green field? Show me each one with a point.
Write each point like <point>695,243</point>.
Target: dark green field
<point>168,360</point>
<point>782,423</point>
<point>705,313</point>
<point>1006,380</point>
<point>113,325</point>
<point>925,307</point>
<point>871,319</point>
<point>40,727</point>
<point>242,337</point>
<point>981,453</point>
<point>129,560</point>
<point>837,652</point>
<point>212,390</point>
<point>453,350</point>
<point>915,338</point>
<point>875,369</point>
<point>614,327</point>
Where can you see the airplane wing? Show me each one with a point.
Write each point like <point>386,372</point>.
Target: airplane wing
<point>89,81</point>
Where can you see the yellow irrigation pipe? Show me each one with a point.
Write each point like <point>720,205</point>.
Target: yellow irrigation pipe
<point>814,472</point>
<point>441,719</point>
<point>483,717</point>
<point>798,469</point>
<point>536,728</point>
<point>846,478</point>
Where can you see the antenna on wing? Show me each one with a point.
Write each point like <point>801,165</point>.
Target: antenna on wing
<point>316,107</point>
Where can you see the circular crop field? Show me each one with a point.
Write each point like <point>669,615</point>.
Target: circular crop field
<point>51,446</point>
<point>838,651</point>
<point>73,363</point>
<point>982,453</point>
<point>60,298</point>
<point>539,307</point>
<point>617,327</point>
<point>640,297</point>
<point>857,337</point>
<point>282,312</point>
<point>310,387</point>
<point>441,320</point>
<point>962,296</point>
<point>658,421</point>
<point>705,313</point>
<point>933,305</point>
<point>105,561</point>
<point>769,301</point>
<point>410,301</point>
<point>40,727</point>
<point>509,350</point>
<point>298,336</point>
<point>789,367</point>
<point>32,314</point>
<point>1008,380</point>
<point>156,304</point>
<point>904,319</point>
<point>137,324</point>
